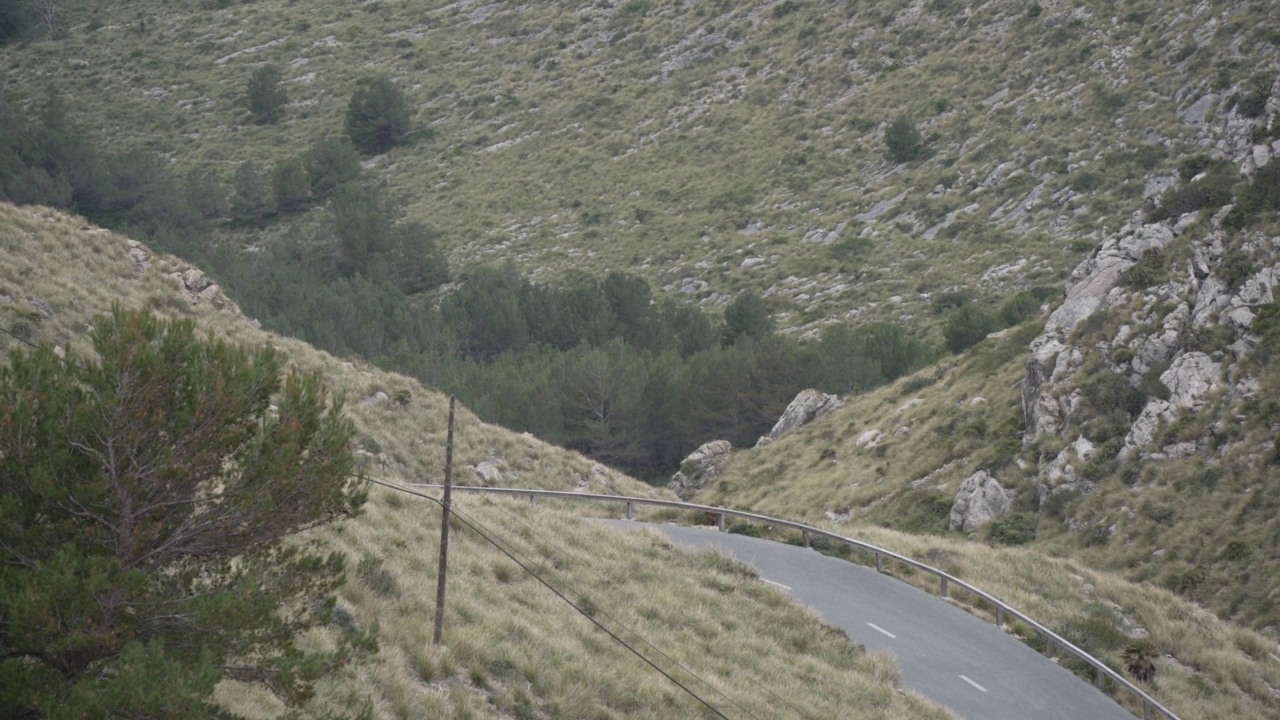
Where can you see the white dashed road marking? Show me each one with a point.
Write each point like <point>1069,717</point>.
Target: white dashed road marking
<point>777,584</point>
<point>877,628</point>
<point>973,683</point>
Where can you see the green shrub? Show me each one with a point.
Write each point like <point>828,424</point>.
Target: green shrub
<point>291,185</point>
<point>785,8</point>
<point>747,316</point>
<point>1150,269</point>
<point>1019,308</point>
<point>903,140</point>
<point>1236,267</point>
<point>1210,192</point>
<point>1015,528</point>
<point>1261,194</point>
<point>252,199</point>
<point>377,116</point>
<point>331,162</point>
<point>265,95</point>
<point>967,327</point>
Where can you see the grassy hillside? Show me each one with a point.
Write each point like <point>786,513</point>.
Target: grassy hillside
<point>718,147</point>
<point>737,144</point>
<point>512,649</point>
<point>897,492</point>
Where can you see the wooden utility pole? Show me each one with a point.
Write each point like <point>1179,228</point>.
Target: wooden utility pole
<point>444,529</point>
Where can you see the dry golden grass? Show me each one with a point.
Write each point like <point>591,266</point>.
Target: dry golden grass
<point>512,648</point>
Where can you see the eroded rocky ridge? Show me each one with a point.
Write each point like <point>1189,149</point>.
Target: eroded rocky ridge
<point>1179,343</point>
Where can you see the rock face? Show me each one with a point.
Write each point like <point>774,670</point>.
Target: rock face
<point>1088,290</point>
<point>1178,333</point>
<point>980,499</point>
<point>701,467</point>
<point>808,406</point>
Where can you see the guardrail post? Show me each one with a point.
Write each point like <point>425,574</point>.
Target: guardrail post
<point>879,563</point>
<point>628,511</point>
<point>999,616</point>
<point>1098,677</point>
<point>1146,710</point>
<point>805,535</point>
<point>944,587</point>
<point>533,501</point>
<point>720,522</point>
<point>1048,647</point>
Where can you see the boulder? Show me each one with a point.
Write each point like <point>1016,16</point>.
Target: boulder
<point>488,473</point>
<point>981,498</point>
<point>808,406</point>
<point>869,439</point>
<point>1191,376</point>
<point>700,468</point>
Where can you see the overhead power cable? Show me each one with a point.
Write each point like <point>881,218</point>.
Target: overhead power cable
<point>475,526</point>
<point>490,502</point>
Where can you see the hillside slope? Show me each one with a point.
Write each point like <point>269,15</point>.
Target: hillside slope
<point>1132,429</point>
<point>712,146</point>
<point>512,649</point>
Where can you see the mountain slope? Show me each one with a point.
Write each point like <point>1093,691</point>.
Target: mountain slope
<point>713,146</point>
<point>512,649</point>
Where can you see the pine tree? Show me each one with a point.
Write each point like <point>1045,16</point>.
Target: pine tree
<point>152,502</point>
<point>265,96</point>
<point>377,116</point>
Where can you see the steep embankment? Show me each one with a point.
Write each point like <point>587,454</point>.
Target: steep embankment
<point>512,649</point>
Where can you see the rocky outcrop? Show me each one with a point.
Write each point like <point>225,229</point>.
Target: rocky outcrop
<point>700,468</point>
<point>807,406</point>
<point>198,288</point>
<point>1190,378</point>
<point>1088,290</point>
<point>1063,473</point>
<point>981,498</point>
<point>1178,339</point>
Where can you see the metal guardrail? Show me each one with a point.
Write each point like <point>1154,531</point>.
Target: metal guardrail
<point>1003,611</point>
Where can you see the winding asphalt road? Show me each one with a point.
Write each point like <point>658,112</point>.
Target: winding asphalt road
<point>975,669</point>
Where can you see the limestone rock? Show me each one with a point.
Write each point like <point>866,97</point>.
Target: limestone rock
<point>1144,429</point>
<point>981,498</point>
<point>1088,290</point>
<point>1063,472</point>
<point>1191,376</point>
<point>869,439</point>
<point>807,406</point>
<point>700,468</point>
<point>488,473</point>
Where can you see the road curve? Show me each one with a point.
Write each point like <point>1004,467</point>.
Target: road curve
<point>955,659</point>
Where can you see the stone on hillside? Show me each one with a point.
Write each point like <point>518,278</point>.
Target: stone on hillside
<point>488,473</point>
<point>1198,111</point>
<point>1191,376</point>
<point>700,468</point>
<point>377,398</point>
<point>981,498</point>
<point>1063,472</point>
<point>869,439</point>
<point>807,406</point>
<point>692,286</point>
<point>1144,429</point>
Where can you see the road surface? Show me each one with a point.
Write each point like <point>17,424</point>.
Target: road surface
<point>957,660</point>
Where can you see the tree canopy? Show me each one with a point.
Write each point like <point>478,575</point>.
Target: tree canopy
<point>153,503</point>
<point>377,116</point>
